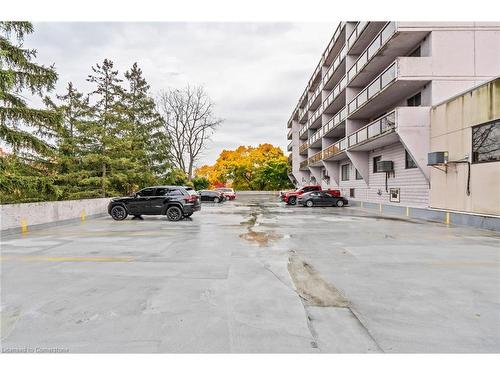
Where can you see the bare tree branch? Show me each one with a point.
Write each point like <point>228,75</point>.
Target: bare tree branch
<point>189,122</point>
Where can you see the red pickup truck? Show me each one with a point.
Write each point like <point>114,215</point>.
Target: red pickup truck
<point>290,197</point>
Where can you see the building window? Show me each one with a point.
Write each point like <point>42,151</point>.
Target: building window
<point>345,172</point>
<point>376,159</point>
<point>416,52</point>
<point>358,175</point>
<point>414,101</point>
<point>486,142</point>
<point>351,193</point>
<point>409,162</point>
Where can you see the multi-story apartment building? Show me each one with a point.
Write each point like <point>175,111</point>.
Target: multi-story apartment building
<point>362,123</point>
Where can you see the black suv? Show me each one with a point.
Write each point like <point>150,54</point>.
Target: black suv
<point>173,201</point>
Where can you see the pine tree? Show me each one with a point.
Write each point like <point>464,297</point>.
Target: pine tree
<point>74,107</point>
<point>25,130</point>
<point>147,124</point>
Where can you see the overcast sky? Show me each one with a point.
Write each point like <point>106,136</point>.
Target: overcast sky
<point>254,72</point>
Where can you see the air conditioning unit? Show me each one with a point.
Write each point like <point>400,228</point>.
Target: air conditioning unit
<point>437,158</point>
<point>385,166</point>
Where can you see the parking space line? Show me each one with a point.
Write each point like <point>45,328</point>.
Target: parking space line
<point>29,258</point>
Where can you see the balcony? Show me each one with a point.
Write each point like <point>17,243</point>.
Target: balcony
<point>303,165</point>
<point>315,139</point>
<point>335,151</point>
<point>336,68</point>
<point>400,123</point>
<point>333,47</point>
<point>289,134</point>
<point>302,115</point>
<point>392,41</point>
<point>303,132</point>
<point>335,127</point>
<point>303,148</point>
<point>402,78</point>
<point>315,121</point>
<point>289,147</point>
<point>336,99</point>
<point>315,160</point>
<point>315,99</point>
<point>361,36</point>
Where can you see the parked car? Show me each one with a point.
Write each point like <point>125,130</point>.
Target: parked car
<point>211,196</point>
<point>228,193</point>
<point>172,201</point>
<point>321,198</point>
<point>290,197</point>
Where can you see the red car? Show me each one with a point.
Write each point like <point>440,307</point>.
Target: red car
<point>290,197</point>
<point>228,193</point>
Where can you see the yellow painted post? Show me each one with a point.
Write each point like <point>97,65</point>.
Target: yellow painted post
<point>447,218</point>
<point>83,216</point>
<point>24,226</point>
<point>407,211</point>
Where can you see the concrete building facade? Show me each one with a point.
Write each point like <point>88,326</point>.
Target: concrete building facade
<point>467,127</point>
<point>363,121</point>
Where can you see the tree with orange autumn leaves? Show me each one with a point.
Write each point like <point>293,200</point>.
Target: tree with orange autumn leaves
<point>249,168</point>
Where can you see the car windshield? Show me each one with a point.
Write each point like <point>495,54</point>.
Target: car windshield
<point>226,190</point>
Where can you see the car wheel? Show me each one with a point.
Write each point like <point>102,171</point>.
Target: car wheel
<point>174,213</point>
<point>292,201</point>
<point>216,200</point>
<point>309,203</point>
<point>119,213</point>
<point>340,203</point>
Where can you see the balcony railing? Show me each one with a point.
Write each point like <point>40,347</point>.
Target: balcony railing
<point>289,134</point>
<point>334,149</point>
<point>289,147</point>
<point>315,116</point>
<point>315,137</point>
<point>303,146</point>
<point>315,158</point>
<point>377,85</point>
<point>335,120</point>
<point>380,126</point>
<point>335,64</point>
<point>314,96</point>
<point>335,92</point>
<point>379,41</point>
<point>303,164</point>
<point>302,130</point>
<point>336,35</point>
<point>356,33</point>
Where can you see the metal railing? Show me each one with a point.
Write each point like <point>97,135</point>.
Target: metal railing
<point>384,124</point>
<point>315,137</point>
<point>303,164</point>
<point>314,116</point>
<point>315,158</point>
<point>314,95</point>
<point>289,147</point>
<point>356,33</point>
<point>382,37</point>
<point>335,120</point>
<point>303,129</point>
<point>336,35</point>
<point>303,146</point>
<point>334,149</point>
<point>377,85</point>
<point>289,134</point>
<point>335,64</point>
<point>335,92</point>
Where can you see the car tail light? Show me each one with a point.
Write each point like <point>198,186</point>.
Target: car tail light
<point>191,199</point>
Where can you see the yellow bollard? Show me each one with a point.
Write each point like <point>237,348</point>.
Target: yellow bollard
<point>83,216</point>
<point>407,211</point>
<point>24,226</point>
<point>447,218</point>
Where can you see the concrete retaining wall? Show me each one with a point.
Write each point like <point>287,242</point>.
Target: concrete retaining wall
<point>442,216</point>
<point>15,218</point>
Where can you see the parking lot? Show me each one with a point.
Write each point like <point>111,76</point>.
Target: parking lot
<point>253,275</point>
